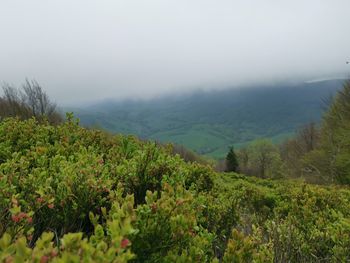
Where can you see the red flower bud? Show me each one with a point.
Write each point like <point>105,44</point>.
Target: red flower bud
<point>9,259</point>
<point>30,220</point>
<point>125,242</point>
<point>54,253</point>
<point>44,259</point>
<point>15,218</point>
<point>40,200</point>
<point>180,202</point>
<point>51,206</point>
<point>154,207</point>
<point>22,215</point>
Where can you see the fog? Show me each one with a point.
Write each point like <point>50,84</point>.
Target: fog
<point>86,50</point>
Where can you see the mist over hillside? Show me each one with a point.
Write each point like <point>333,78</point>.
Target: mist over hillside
<point>208,122</point>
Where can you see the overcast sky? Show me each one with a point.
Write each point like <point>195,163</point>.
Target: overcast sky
<point>84,50</point>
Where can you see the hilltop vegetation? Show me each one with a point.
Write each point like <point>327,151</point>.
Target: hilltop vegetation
<point>69,194</point>
<point>318,153</point>
<point>72,194</point>
<point>209,122</point>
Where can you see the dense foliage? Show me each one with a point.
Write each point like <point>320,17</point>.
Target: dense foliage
<point>261,158</point>
<point>321,153</point>
<point>317,153</point>
<point>69,194</point>
<point>331,159</point>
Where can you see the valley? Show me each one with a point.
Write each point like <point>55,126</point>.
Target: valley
<point>208,122</point>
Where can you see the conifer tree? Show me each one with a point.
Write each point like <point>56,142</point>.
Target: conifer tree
<point>231,161</point>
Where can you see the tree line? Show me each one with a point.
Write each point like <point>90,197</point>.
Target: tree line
<point>317,153</point>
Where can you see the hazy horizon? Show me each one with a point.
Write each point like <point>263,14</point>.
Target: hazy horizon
<point>84,51</point>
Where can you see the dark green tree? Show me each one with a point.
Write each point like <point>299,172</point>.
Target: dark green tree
<point>231,161</point>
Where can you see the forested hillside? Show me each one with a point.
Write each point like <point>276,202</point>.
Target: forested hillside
<point>69,194</point>
<point>208,122</point>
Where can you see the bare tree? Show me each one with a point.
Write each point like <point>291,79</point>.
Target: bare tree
<point>243,160</point>
<point>260,158</point>
<point>295,149</point>
<point>30,101</point>
<point>37,99</point>
<point>308,137</point>
<point>13,104</point>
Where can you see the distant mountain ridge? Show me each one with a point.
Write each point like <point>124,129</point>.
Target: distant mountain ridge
<point>208,122</point>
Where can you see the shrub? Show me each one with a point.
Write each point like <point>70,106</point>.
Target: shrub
<point>68,194</point>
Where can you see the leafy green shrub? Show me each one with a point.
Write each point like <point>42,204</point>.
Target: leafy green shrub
<point>107,244</point>
<point>68,194</point>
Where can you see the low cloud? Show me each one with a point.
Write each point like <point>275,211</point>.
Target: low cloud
<point>86,50</point>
